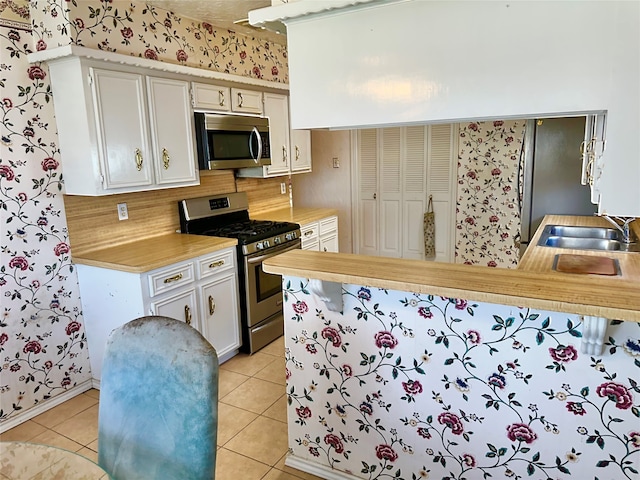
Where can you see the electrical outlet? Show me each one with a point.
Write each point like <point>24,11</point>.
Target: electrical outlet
<point>283,188</point>
<point>336,162</point>
<point>123,213</point>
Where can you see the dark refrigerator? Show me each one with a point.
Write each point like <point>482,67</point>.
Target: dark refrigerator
<point>549,173</point>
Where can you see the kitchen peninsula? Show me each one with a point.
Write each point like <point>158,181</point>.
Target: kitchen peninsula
<point>440,370</point>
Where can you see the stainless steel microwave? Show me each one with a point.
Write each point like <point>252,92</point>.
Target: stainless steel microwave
<point>231,141</point>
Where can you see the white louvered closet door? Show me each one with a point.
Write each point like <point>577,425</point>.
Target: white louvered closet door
<point>414,190</point>
<point>367,207</point>
<point>391,220</point>
<point>397,169</point>
<point>442,165</point>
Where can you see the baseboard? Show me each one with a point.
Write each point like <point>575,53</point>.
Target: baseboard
<point>316,469</point>
<point>45,405</point>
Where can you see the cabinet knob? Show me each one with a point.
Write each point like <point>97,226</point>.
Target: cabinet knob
<point>284,154</point>
<point>375,195</point>
<point>138,159</point>
<point>240,99</point>
<point>212,305</point>
<point>297,153</point>
<point>165,158</point>
<point>221,97</point>
<point>187,314</point>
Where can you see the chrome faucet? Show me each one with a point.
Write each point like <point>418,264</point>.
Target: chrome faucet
<point>627,234</point>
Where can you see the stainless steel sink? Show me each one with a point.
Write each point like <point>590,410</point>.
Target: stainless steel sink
<point>585,238</point>
<point>584,232</point>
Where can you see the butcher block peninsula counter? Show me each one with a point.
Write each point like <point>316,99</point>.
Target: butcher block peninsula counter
<point>534,284</point>
<point>433,370</point>
<point>154,252</point>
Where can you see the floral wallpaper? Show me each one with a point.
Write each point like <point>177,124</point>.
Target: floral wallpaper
<point>138,29</point>
<point>42,342</point>
<point>487,215</point>
<point>413,386</point>
<point>42,338</point>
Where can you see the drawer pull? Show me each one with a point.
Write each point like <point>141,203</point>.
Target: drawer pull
<point>240,99</point>
<point>308,233</point>
<point>297,153</point>
<point>212,305</point>
<point>216,264</point>
<point>221,97</point>
<point>175,278</point>
<point>187,314</point>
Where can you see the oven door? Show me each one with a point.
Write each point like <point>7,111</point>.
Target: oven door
<point>264,290</point>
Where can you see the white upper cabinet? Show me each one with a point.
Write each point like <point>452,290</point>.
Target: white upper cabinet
<point>300,151</point>
<point>121,130</point>
<point>290,149</point>
<point>211,97</point>
<point>121,123</point>
<point>247,101</point>
<point>171,131</point>
<point>221,98</point>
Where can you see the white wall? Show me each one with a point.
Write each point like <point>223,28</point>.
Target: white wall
<point>326,186</point>
<point>426,61</point>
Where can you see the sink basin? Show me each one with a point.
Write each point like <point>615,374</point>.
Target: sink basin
<point>582,243</point>
<point>585,238</point>
<point>584,232</point>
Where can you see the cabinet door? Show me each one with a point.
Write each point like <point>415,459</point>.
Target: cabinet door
<point>300,151</point>
<point>247,101</point>
<point>276,107</point>
<point>220,321</point>
<point>212,97</point>
<point>181,306</point>
<point>123,143</point>
<point>171,131</point>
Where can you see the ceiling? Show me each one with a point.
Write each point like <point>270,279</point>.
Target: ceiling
<point>221,13</point>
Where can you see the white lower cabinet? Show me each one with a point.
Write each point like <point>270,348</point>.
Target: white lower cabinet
<point>202,292</point>
<point>320,236</point>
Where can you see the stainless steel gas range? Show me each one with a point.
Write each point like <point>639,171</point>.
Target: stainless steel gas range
<point>227,215</point>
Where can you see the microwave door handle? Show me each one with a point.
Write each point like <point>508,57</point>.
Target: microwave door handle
<point>256,158</point>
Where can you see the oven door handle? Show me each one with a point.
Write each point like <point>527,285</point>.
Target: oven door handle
<point>259,259</point>
<point>257,158</point>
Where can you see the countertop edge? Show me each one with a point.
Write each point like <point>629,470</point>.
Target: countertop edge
<point>156,252</point>
<point>509,287</point>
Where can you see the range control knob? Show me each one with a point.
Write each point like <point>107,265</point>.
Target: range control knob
<point>277,240</point>
<point>266,244</point>
<point>259,245</point>
<point>290,236</point>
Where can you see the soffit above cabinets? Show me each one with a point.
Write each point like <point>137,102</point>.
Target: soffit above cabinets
<point>223,14</point>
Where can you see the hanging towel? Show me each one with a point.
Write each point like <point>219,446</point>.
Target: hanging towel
<point>429,231</point>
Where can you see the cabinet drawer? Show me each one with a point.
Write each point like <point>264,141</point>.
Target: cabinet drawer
<point>170,278</point>
<point>329,224</point>
<point>217,263</point>
<point>308,233</point>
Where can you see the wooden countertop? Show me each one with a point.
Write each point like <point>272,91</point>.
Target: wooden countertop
<point>154,252</point>
<point>539,287</point>
<point>296,215</point>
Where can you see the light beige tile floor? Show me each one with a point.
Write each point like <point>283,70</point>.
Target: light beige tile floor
<point>252,420</point>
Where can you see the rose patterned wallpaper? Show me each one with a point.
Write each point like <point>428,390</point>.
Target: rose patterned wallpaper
<point>42,340</point>
<point>487,216</point>
<point>411,386</point>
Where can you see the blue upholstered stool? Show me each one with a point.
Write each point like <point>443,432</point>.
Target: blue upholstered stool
<point>158,402</point>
